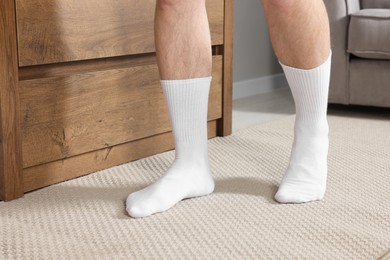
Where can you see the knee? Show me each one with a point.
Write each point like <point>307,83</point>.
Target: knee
<point>284,6</point>
<point>167,3</point>
<point>177,4</point>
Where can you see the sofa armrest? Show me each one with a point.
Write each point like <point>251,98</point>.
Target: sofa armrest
<point>383,4</point>
<point>338,12</point>
<point>352,6</point>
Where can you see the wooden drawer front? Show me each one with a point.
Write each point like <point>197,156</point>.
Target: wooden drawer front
<point>68,115</point>
<point>52,31</point>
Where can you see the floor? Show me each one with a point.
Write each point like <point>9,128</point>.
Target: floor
<point>85,218</point>
<point>262,108</point>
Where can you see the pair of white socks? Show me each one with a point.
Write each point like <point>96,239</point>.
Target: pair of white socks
<point>190,175</point>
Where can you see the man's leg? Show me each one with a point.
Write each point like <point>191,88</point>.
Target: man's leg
<point>183,48</point>
<point>299,33</point>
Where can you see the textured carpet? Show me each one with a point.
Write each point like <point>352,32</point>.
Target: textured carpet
<point>85,218</point>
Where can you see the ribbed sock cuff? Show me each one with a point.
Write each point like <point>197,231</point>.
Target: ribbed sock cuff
<point>187,102</point>
<point>310,89</point>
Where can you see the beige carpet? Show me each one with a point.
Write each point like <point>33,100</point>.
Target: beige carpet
<point>85,218</point>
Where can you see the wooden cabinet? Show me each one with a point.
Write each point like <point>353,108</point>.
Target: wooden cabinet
<point>70,30</point>
<point>79,88</point>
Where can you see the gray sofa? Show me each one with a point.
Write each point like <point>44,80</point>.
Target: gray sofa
<point>360,32</point>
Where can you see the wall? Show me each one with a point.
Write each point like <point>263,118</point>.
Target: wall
<point>256,69</point>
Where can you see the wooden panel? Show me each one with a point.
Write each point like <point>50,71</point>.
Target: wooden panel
<point>85,66</point>
<point>215,13</point>
<point>51,31</point>
<point>225,124</point>
<point>67,68</point>
<point>72,114</point>
<point>11,185</point>
<point>58,171</point>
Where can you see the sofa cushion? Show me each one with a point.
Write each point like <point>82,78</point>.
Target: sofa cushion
<point>369,34</point>
<point>374,4</point>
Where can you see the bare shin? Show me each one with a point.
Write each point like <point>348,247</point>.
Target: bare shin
<point>182,38</point>
<point>299,31</point>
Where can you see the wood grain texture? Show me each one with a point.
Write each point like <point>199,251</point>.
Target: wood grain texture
<point>85,66</point>
<point>51,31</point>
<point>68,68</point>
<point>89,89</point>
<point>54,172</point>
<point>68,115</point>
<point>225,124</point>
<point>11,184</point>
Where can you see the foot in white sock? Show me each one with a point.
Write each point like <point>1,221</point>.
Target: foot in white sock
<point>305,179</point>
<point>189,176</point>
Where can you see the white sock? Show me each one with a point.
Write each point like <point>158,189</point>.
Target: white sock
<point>305,179</point>
<point>189,176</point>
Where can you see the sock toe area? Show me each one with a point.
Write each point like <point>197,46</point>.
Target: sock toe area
<point>135,212</point>
<point>293,195</point>
<point>134,208</point>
